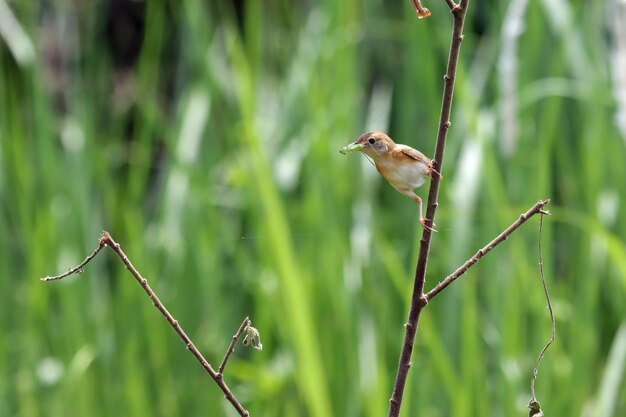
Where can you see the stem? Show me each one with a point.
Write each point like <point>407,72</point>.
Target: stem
<point>553,336</point>
<point>537,208</point>
<point>77,269</point>
<point>231,347</point>
<point>418,300</point>
<point>107,240</point>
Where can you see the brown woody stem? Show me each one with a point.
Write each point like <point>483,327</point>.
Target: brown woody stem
<point>107,240</point>
<point>418,300</point>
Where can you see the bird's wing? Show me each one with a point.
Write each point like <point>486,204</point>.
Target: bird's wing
<point>414,154</point>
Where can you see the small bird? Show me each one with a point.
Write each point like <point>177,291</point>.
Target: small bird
<point>402,166</point>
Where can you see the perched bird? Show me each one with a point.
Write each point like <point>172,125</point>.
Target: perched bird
<point>404,167</point>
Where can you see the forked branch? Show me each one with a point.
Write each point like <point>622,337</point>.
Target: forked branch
<point>107,240</point>
<point>418,300</point>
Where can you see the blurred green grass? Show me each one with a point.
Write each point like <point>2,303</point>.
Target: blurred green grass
<point>213,160</point>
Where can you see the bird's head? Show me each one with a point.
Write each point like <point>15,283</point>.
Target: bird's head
<point>372,144</point>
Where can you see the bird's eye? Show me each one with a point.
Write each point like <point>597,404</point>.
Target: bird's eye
<point>372,140</point>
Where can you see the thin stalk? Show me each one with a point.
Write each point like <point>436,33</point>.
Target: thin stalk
<point>535,209</point>
<point>534,404</point>
<point>231,347</point>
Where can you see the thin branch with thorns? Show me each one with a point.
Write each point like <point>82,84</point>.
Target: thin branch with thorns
<point>418,300</point>
<point>107,240</point>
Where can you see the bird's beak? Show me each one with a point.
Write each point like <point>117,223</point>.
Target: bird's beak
<point>351,148</point>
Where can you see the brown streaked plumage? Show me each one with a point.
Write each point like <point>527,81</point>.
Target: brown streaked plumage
<point>402,166</point>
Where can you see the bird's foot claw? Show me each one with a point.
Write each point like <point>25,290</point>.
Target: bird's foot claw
<point>431,170</point>
<point>427,227</point>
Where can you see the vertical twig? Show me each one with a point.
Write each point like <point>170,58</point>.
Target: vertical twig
<point>418,300</point>
<point>107,240</point>
<point>534,406</point>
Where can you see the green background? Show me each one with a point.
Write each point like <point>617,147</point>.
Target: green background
<point>209,152</point>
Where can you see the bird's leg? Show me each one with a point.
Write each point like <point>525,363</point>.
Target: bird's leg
<point>418,200</point>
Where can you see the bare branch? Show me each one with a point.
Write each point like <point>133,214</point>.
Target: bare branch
<point>537,208</point>
<point>231,347</point>
<point>107,240</point>
<point>77,269</point>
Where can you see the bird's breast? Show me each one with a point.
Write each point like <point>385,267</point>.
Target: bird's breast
<point>403,175</point>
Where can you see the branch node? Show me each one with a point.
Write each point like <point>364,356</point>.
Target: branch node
<point>104,238</point>
<point>423,300</point>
